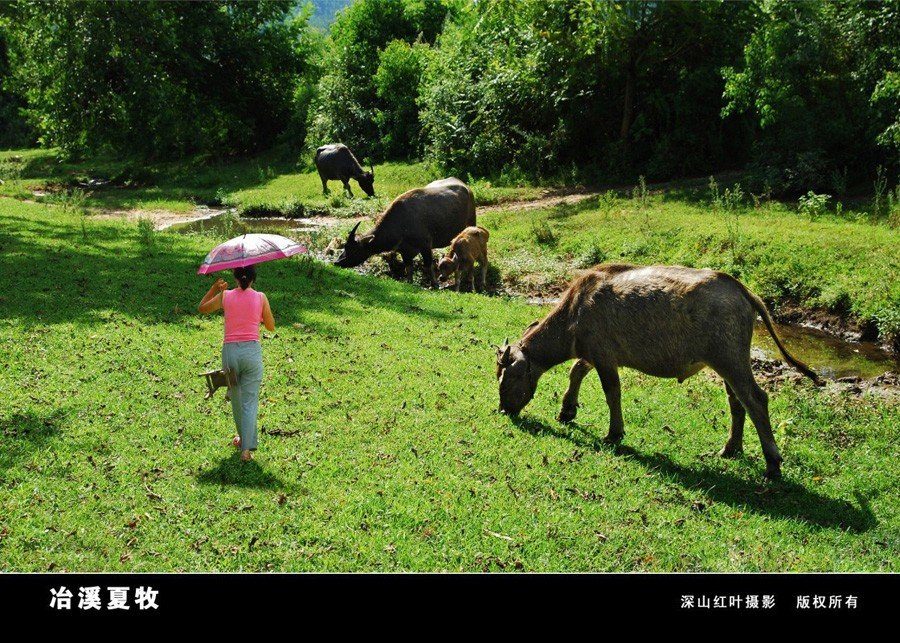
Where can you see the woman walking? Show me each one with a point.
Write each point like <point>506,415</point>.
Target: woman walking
<point>245,308</point>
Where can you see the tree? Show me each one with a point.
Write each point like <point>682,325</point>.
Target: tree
<point>813,76</point>
<point>156,78</point>
<point>543,86</point>
<point>348,104</point>
<point>14,130</point>
<point>397,87</point>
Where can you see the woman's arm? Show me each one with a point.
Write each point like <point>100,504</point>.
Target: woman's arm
<point>212,300</point>
<point>267,317</point>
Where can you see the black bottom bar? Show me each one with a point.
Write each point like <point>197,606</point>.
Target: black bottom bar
<point>70,597</point>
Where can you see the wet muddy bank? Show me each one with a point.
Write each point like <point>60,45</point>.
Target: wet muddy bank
<point>773,372</point>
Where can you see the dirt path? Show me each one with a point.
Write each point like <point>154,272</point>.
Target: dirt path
<point>549,199</point>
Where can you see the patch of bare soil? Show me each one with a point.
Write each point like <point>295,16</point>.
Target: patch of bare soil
<point>549,199</point>
<point>161,219</point>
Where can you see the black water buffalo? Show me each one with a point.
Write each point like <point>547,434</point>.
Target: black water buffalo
<point>415,223</point>
<point>336,162</point>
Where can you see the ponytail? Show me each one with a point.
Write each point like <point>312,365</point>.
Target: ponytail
<point>245,276</point>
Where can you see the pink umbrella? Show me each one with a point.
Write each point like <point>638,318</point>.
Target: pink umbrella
<point>247,250</point>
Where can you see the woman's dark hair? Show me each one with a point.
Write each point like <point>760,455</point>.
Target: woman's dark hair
<point>245,276</point>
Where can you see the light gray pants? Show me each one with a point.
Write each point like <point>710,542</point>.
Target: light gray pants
<point>245,359</point>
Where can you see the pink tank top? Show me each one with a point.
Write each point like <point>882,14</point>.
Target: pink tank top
<point>243,314</point>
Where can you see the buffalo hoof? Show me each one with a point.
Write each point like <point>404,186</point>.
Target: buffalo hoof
<point>729,451</point>
<point>773,473</point>
<point>567,414</point>
<point>614,438</point>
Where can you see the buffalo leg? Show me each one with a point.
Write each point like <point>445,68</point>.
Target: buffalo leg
<point>472,277</point>
<point>735,444</point>
<point>324,186</point>
<point>756,402</point>
<point>457,277</point>
<point>428,260</point>
<point>347,188</point>
<point>395,264</point>
<point>612,389</point>
<point>570,400</point>
<point>408,265</point>
<point>484,267</point>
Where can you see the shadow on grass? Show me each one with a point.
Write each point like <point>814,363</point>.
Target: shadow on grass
<point>231,471</point>
<point>125,183</point>
<point>567,210</point>
<point>25,433</point>
<point>783,499</point>
<point>63,274</point>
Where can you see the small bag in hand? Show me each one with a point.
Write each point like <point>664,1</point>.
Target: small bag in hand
<point>217,379</point>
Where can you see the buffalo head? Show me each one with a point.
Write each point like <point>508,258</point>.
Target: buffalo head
<point>446,266</point>
<point>354,252</point>
<point>518,378</point>
<point>367,181</point>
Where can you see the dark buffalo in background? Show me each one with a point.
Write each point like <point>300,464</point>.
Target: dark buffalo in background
<point>415,223</point>
<point>336,162</point>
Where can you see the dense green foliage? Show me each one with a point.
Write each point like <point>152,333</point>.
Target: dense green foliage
<point>397,85</point>
<point>810,90</point>
<point>14,131</point>
<point>543,86</point>
<point>820,81</point>
<point>113,461</point>
<point>806,96</point>
<point>156,78</point>
<point>354,103</point>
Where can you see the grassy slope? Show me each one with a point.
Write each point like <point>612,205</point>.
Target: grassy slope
<point>391,456</point>
<point>844,264</point>
<point>264,185</point>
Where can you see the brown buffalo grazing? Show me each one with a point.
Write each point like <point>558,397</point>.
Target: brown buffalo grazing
<point>469,247</point>
<point>666,321</point>
<point>415,223</point>
<point>336,162</point>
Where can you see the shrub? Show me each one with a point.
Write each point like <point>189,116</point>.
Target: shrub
<point>146,234</point>
<point>10,169</point>
<point>593,255</point>
<point>813,205</point>
<point>543,233</point>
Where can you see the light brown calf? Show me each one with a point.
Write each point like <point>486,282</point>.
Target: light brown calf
<point>468,247</point>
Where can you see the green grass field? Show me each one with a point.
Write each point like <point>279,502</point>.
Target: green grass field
<point>380,446</point>
<point>269,185</point>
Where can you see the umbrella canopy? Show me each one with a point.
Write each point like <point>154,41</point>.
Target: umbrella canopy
<point>249,249</point>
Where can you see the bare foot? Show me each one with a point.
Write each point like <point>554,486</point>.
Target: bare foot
<point>246,455</point>
<point>236,442</point>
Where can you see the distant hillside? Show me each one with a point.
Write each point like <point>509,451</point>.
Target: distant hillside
<point>324,10</point>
